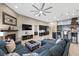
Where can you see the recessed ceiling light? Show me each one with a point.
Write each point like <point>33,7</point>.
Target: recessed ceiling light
<point>16,6</point>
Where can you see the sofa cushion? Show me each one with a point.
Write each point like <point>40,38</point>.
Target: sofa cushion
<point>3,46</point>
<point>48,45</point>
<point>44,53</point>
<point>19,46</point>
<point>22,51</point>
<point>2,52</point>
<point>62,43</point>
<point>56,50</point>
<point>43,42</point>
<point>39,50</point>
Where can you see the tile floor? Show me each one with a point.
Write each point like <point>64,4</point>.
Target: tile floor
<point>74,49</point>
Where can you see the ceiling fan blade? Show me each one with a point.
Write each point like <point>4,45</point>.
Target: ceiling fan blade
<point>34,11</point>
<point>39,14</point>
<point>36,14</point>
<point>42,6</point>
<point>47,12</point>
<point>35,7</point>
<point>48,8</point>
<point>44,14</point>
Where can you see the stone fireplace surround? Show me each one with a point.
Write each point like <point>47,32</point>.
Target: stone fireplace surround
<point>12,35</point>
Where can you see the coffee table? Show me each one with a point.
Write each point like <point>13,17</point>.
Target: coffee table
<point>32,45</point>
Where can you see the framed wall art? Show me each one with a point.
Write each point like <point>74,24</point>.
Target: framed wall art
<point>9,20</point>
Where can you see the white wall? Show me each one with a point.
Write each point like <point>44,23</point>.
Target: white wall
<point>53,28</point>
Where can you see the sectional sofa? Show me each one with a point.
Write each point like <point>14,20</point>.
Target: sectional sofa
<point>48,48</point>
<point>51,48</point>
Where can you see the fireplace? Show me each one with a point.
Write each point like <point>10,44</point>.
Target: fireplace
<point>12,36</point>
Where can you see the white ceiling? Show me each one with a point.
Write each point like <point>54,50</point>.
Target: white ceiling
<point>60,11</point>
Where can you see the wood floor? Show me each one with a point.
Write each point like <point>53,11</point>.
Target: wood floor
<point>74,49</point>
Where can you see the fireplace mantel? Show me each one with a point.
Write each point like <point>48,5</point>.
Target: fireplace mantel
<point>9,30</point>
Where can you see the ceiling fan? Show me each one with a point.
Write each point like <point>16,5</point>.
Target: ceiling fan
<point>41,11</point>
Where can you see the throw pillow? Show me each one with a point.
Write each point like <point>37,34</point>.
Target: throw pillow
<point>11,46</point>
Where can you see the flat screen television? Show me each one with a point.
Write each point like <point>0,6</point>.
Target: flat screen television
<point>26,27</point>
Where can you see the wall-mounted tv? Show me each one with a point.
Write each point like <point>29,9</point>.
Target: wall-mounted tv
<point>26,27</point>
